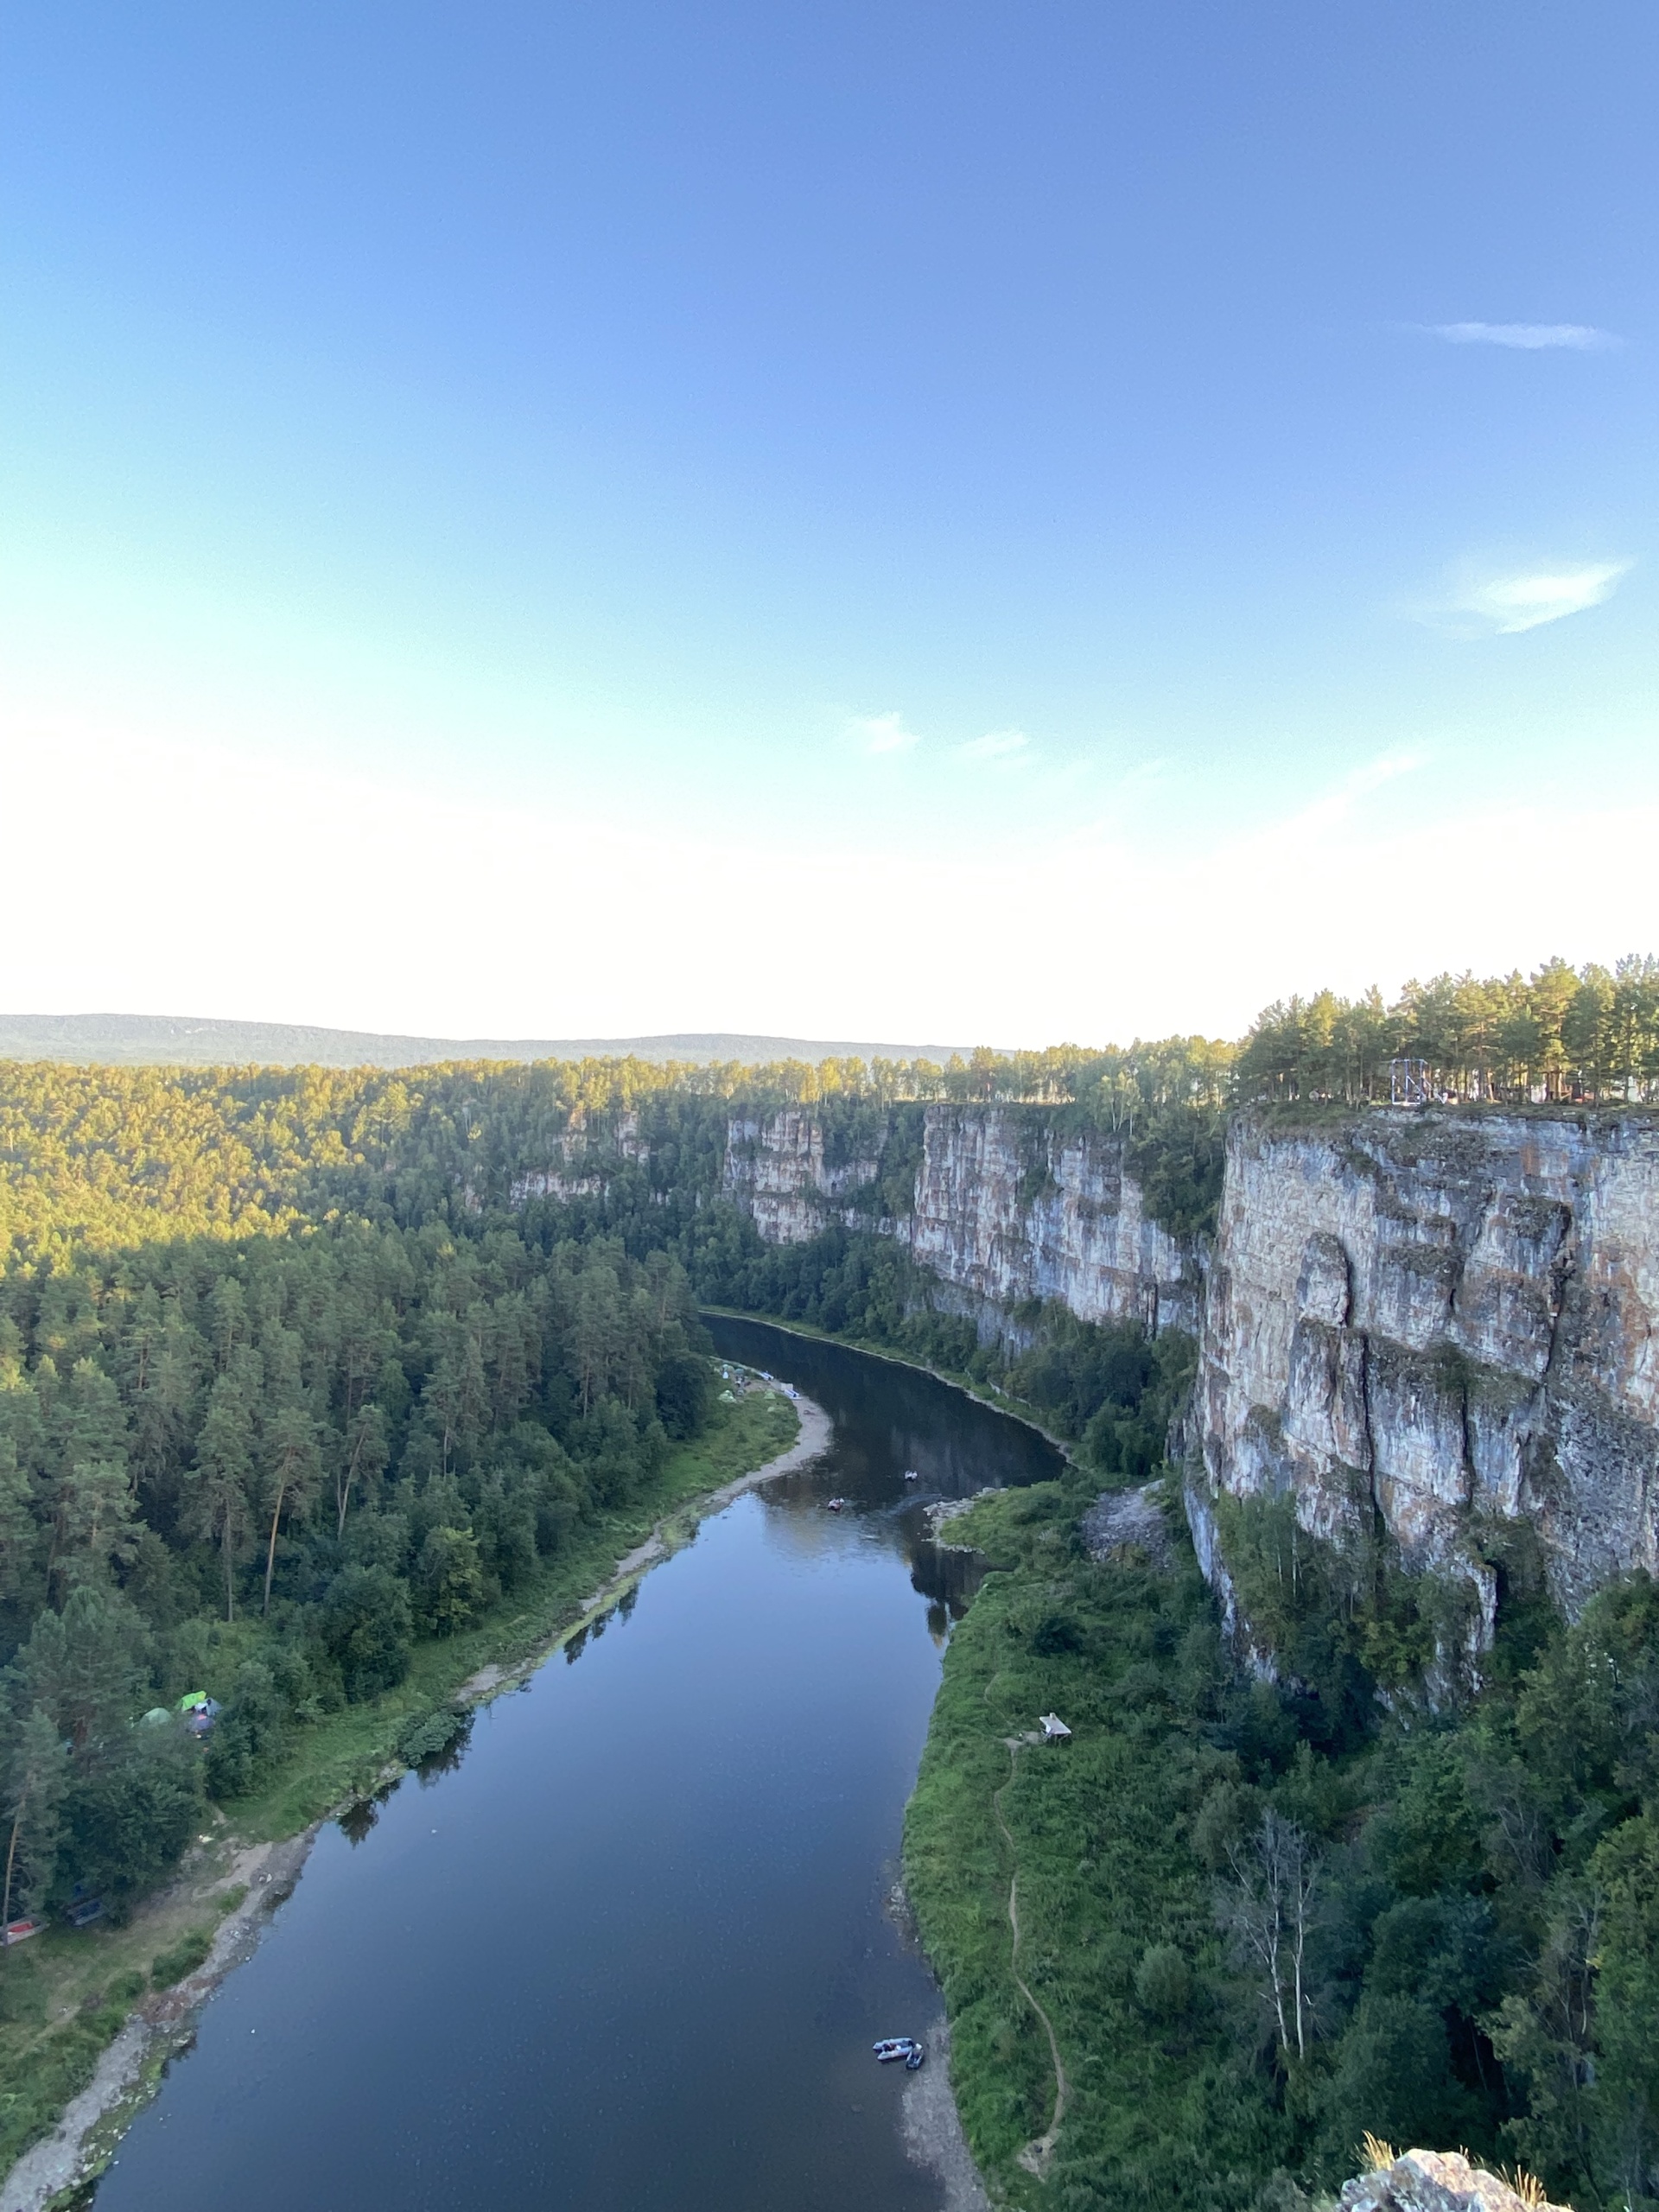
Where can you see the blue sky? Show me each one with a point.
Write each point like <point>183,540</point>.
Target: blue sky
<point>990,521</point>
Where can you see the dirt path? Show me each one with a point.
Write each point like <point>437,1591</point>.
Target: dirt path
<point>1037,2153</point>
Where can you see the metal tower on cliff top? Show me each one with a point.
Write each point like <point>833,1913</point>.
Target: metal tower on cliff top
<point>1409,1084</point>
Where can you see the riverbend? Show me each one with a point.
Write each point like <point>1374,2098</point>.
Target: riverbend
<point>632,1948</point>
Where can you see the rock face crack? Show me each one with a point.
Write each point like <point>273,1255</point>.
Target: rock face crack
<point>1458,1310</point>
<point>1466,1310</point>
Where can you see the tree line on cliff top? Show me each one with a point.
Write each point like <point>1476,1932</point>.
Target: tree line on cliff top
<point>92,1155</point>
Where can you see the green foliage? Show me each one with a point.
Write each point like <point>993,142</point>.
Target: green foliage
<point>341,1438</point>
<point>428,1735</point>
<point>1589,1035</point>
<point>1163,1983</point>
<point>449,1580</point>
<point>251,1734</point>
<point>1479,1896</point>
<point>181,1959</point>
<point>61,2063</point>
<point>366,1624</point>
<point>1178,1158</point>
<point>127,1815</point>
<point>683,1391</point>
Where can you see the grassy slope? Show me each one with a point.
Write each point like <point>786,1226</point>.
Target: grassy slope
<point>65,1994</point>
<point>1099,1828</point>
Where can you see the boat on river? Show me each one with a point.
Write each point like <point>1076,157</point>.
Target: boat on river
<point>911,1476</point>
<point>890,2048</point>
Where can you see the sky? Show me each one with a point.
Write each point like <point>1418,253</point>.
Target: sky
<point>1023,522</point>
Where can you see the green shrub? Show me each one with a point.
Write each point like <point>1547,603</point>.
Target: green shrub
<point>126,1821</point>
<point>181,1959</point>
<point>366,1627</point>
<point>1163,1982</point>
<point>428,1735</point>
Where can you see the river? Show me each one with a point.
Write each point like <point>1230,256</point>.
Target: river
<point>632,1948</point>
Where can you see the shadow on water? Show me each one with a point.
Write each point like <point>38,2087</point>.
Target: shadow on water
<point>633,1946</point>
<point>888,1419</point>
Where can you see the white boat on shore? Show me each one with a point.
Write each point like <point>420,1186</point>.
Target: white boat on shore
<point>892,2048</point>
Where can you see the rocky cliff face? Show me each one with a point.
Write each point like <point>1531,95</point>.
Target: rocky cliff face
<point>776,1170</point>
<point>1008,1210</point>
<point>1442,1322</point>
<point>1445,1320</point>
<point>1004,1210</point>
<point>582,1156</point>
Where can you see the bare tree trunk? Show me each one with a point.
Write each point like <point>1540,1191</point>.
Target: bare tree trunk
<point>343,1488</point>
<point>1269,1911</point>
<point>271,1552</point>
<point>11,1861</point>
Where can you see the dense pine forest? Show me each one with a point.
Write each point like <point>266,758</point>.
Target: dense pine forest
<point>265,1467</point>
<point>299,1375</point>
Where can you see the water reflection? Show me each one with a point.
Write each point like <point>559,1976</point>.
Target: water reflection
<point>632,1949</point>
<point>888,1418</point>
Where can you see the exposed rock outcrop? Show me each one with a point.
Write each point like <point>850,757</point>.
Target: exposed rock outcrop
<point>1447,1321</point>
<point>582,1157</point>
<point>1430,1323</point>
<point>776,1170</point>
<point>1009,1210</point>
<point>1005,1210</point>
<point>1122,1522</point>
<point>1438,2181</point>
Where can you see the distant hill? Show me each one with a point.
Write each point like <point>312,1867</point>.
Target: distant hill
<point>177,1041</point>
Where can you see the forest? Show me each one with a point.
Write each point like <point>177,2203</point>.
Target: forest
<point>1588,1036</point>
<point>301,1373</point>
<point>1270,1916</point>
<point>267,1466</point>
<point>89,1157</point>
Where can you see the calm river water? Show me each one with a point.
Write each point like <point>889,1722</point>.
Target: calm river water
<point>631,1952</point>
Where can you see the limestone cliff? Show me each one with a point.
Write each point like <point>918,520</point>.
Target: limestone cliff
<point>1004,1210</point>
<point>1435,1322</point>
<point>1444,1320</point>
<point>776,1170</point>
<point>582,1157</point>
<point>1008,1210</point>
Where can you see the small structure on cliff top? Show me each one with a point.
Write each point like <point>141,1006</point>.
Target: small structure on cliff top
<point>1410,1084</point>
<point>1054,1729</point>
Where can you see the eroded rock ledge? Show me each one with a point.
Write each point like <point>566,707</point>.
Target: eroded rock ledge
<point>1438,2181</point>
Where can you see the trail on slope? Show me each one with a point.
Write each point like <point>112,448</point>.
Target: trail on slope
<point>1037,2153</point>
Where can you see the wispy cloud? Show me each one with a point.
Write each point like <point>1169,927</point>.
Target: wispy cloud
<point>1527,337</point>
<point>1321,816</point>
<point>879,733</point>
<point>1504,606</point>
<point>996,745</point>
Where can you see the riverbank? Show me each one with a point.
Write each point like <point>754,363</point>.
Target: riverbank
<point>93,2016</point>
<point>982,1393</point>
<point>1075,2068</point>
